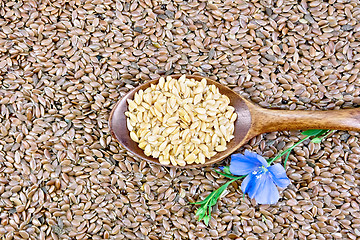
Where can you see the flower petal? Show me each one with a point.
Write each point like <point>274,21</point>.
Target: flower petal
<point>257,156</point>
<point>244,164</point>
<point>251,184</point>
<point>267,192</point>
<point>278,175</point>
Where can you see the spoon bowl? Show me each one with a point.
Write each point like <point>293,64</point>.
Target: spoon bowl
<point>251,121</point>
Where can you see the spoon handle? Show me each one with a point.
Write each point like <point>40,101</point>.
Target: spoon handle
<point>267,120</point>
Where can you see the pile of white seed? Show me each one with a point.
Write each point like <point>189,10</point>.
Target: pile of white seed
<point>181,121</point>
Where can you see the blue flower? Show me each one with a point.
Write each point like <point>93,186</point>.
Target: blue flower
<point>261,180</point>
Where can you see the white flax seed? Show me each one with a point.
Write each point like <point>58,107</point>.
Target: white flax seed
<point>177,119</point>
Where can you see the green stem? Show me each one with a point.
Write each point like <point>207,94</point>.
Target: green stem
<point>287,150</point>
<point>326,135</point>
<point>286,158</point>
<point>235,179</point>
<point>228,183</point>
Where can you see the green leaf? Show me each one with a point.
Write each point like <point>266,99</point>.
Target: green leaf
<point>201,217</point>
<point>206,220</point>
<point>323,135</point>
<point>313,132</point>
<point>227,170</point>
<point>286,158</point>
<point>204,212</point>
<point>226,174</point>
<point>209,211</point>
<point>200,212</point>
<point>219,191</point>
<point>198,203</point>
<point>316,140</point>
<point>322,132</point>
<point>205,200</point>
<point>212,202</point>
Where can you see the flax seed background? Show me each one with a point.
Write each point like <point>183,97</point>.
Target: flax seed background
<point>64,65</point>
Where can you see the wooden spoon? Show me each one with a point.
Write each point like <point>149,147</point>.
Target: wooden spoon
<point>252,121</point>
